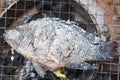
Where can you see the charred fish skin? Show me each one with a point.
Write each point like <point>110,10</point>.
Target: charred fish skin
<point>55,43</point>
<point>49,32</point>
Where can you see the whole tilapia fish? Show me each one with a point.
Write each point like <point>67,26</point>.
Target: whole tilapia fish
<point>51,43</point>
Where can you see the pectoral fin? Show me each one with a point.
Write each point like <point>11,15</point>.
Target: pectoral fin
<point>39,70</point>
<point>84,66</point>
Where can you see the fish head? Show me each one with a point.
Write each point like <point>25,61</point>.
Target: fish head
<point>13,38</point>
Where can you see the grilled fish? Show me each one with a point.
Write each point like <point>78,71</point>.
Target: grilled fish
<point>52,43</point>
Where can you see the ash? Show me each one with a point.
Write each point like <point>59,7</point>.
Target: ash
<point>27,72</point>
<point>21,67</point>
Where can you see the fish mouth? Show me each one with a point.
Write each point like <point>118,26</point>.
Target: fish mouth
<point>8,39</point>
<point>5,35</point>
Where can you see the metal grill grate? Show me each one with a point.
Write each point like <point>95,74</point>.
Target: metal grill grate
<point>89,14</point>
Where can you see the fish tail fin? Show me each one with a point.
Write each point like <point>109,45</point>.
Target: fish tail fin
<point>108,51</point>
